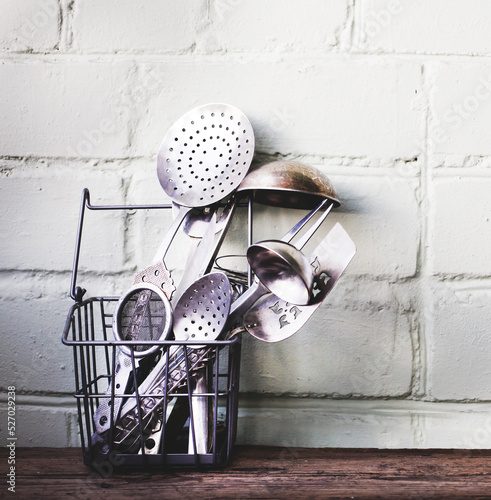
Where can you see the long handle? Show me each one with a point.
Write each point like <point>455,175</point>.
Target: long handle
<point>306,237</point>
<point>229,210</point>
<point>194,265</point>
<point>299,225</point>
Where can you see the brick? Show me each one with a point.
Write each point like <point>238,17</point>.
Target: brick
<point>354,423</point>
<point>460,104</point>
<point>164,26</point>
<point>459,346</point>
<point>273,421</point>
<point>356,343</point>
<point>41,206</point>
<point>382,216</point>
<point>459,231</point>
<point>298,107</point>
<point>30,25</point>
<point>437,27</point>
<point>274,26</point>
<point>65,109</point>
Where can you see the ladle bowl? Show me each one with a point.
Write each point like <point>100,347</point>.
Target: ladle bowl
<point>283,269</point>
<point>289,184</point>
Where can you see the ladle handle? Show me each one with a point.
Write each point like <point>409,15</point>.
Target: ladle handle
<point>245,302</point>
<point>306,237</point>
<point>299,225</point>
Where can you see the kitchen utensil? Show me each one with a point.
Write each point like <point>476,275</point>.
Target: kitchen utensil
<point>283,268</point>
<point>258,289</point>
<point>200,314</point>
<point>196,223</point>
<point>200,250</point>
<point>202,310</point>
<point>272,319</point>
<point>143,314</point>
<point>289,184</point>
<point>202,411</point>
<point>203,258</point>
<point>205,155</point>
<point>202,158</point>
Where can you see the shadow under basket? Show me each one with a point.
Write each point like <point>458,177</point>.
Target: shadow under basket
<point>160,428</point>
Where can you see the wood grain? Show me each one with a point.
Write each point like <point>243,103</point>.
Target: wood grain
<point>264,472</point>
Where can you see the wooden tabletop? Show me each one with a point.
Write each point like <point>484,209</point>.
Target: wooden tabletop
<point>262,472</point>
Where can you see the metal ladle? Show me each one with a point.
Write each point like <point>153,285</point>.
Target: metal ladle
<point>258,289</point>
<point>283,268</point>
<point>272,319</point>
<point>289,184</point>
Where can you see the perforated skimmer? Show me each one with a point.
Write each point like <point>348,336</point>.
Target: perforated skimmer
<point>202,311</point>
<point>205,155</point>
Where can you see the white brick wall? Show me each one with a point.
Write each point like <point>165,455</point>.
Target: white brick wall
<point>391,98</point>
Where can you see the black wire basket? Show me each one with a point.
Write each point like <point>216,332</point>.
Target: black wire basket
<point>156,426</point>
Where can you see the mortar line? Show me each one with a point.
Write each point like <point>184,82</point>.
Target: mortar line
<point>425,208</point>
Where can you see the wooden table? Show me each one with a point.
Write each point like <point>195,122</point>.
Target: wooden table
<point>263,472</point>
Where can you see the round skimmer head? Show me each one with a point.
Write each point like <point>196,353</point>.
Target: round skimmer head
<point>202,310</point>
<point>205,155</point>
<point>289,184</point>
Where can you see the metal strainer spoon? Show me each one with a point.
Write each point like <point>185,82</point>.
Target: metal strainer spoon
<point>205,155</point>
<point>202,310</point>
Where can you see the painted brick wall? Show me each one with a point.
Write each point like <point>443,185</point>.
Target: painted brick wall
<point>391,98</point>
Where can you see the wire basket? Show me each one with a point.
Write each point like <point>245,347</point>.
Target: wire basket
<point>88,331</point>
<point>156,427</point>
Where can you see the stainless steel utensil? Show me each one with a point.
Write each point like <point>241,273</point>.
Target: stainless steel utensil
<point>143,314</point>
<point>258,289</point>
<point>196,223</point>
<point>203,310</point>
<point>205,155</point>
<point>200,250</point>
<point>200,313</point>
<point>283,268</point>
<point>289,184</point>
<point>272,319</point>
